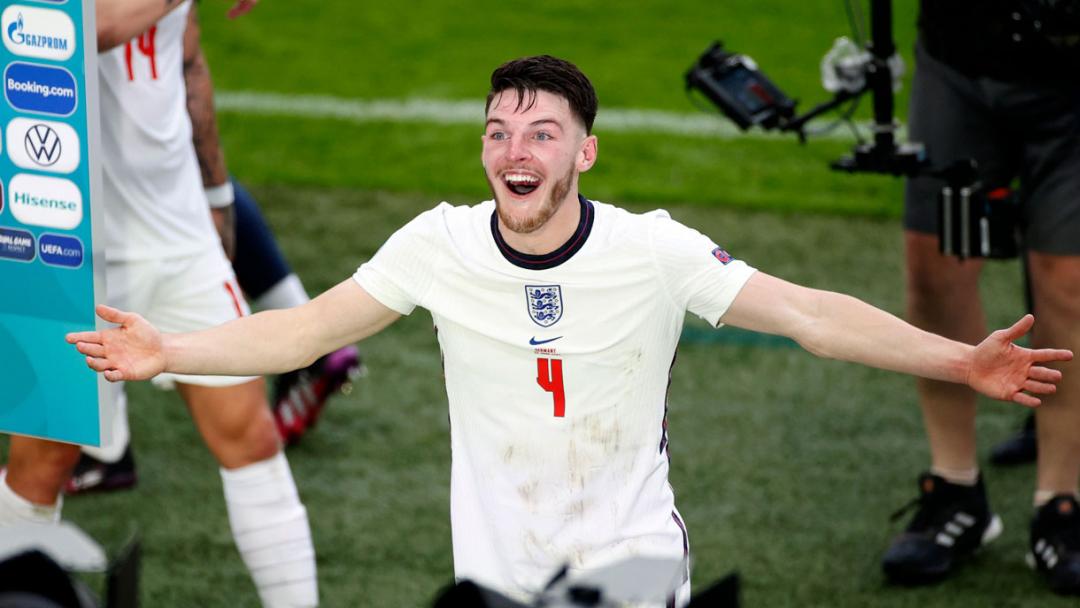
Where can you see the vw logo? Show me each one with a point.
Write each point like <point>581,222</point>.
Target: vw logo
<point>42,145</point>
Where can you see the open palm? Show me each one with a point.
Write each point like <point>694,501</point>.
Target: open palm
<point>131,351</point>
<point>1005,371</point>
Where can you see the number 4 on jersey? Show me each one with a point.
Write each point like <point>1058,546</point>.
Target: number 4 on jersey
<point>549,377</point>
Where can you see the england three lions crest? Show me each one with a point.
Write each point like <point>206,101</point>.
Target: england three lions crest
<point>545,304</point>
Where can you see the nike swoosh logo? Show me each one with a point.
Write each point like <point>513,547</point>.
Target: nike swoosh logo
<point>533,341</point>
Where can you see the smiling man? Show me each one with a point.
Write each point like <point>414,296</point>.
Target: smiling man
<point>533,171</point>
<point>558,319</point>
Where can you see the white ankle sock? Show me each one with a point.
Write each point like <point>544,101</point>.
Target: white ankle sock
<point>270,527</point>
<point>15,509</point>
<point>961,477</point>
<point>1044,496</point>
<point>286,293</point>
<point>121,434</point>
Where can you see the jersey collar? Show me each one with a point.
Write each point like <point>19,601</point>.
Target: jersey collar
<point>553,259</point>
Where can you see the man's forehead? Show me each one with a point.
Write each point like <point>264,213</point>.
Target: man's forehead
<point>506,103</point>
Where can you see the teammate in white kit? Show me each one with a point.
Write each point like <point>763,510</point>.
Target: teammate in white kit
<point>164,258</point>
<point>558,319</point>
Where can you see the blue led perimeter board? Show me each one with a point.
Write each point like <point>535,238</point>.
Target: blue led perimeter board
<point>51,263</point>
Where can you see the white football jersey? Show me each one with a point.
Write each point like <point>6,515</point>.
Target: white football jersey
<point>557,369</point>
<point>151,184</point>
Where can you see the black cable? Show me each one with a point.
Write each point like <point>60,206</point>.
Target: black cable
<point>845,117</point>
<point>857,21</point>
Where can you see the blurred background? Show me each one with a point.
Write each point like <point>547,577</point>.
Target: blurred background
<point>346,119</point>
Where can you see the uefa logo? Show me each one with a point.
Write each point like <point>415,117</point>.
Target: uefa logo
<point>60,250</point>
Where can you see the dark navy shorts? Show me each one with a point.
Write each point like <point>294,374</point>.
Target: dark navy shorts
<point>1028,132</point>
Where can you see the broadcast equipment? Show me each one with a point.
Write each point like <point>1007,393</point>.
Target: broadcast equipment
<point>36,563</point>
<point>975,221</point>
<point>734,83</point>
<point>744,94</point>
<point>632,581</point>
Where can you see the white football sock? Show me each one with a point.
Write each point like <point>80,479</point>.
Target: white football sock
<point>1044,496</point>
<point>121,434</point>
<point>286,293</point>
<point>960,477</point>
<point>270,527</point>
<point>15,509</point>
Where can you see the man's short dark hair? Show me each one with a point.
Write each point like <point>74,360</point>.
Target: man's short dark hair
<point>546,73</point>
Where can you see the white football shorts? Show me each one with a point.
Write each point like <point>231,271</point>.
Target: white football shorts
<point>179,294</point>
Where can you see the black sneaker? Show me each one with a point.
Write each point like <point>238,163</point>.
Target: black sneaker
<point>93,475</point>
<point>1055,544</point>
<point>1020,448</point>
<point>951,523</point>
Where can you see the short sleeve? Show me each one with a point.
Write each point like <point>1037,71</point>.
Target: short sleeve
<point>699,275</point>
<point>401,271</point>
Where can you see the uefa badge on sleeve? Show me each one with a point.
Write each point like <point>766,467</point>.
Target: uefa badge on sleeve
<point>723,256</point>
<point>545,304</point>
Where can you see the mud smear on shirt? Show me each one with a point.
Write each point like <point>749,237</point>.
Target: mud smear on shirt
<point>606,437</point>
<point>544,551</point>
<point>527,492</point>
<point>576,467</point>
<point>576,510</point>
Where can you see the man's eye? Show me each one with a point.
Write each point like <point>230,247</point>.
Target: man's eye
<point>543,136</point>
<point>497,135</point>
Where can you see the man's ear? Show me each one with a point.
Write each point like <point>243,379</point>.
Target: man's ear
<point>586,156</point>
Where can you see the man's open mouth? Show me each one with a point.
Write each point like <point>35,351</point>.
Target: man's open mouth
<point>521,183</point>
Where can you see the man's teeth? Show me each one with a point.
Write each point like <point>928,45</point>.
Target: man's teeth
<point>514,178</point>
<point>520,183</point>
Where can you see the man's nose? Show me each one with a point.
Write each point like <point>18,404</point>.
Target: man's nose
<point>518,149</point>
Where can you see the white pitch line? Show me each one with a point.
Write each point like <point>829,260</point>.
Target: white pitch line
<point>441,111</point>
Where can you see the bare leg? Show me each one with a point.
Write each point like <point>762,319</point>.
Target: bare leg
<point>1056,288</point>
<point>37,468</point>
<point>234,421</point>
<point>943,297</point>
<point>30,487</point>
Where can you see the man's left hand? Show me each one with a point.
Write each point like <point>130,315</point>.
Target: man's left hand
<point>1003,370</point>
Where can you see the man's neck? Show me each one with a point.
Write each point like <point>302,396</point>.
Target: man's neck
<point>552,235</point>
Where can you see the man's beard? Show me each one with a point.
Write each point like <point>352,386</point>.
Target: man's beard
<point>547,209</point>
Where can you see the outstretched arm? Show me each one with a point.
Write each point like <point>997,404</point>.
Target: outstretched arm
<point>841,327</point>
<point>270,342</point>
<point>121,20</point>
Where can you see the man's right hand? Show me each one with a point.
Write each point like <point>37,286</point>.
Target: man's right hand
<point>241,7</point>
<point>132,351</point>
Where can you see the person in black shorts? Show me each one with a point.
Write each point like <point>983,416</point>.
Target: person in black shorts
<point>996,81</point>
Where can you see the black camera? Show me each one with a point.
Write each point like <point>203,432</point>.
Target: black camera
<point>975,221</point>
<point>734,83</point>
<point>979,222</point>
